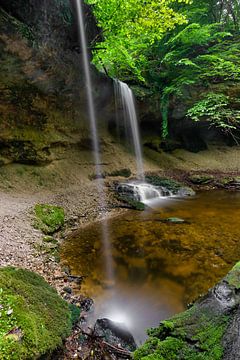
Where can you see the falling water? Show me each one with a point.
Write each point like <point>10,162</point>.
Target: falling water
<point>95,140</point>
<point>130,116</point>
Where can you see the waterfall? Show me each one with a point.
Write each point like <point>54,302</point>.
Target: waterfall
<point>143,192</point>
<point>126,96</point>
<point>95,139</point>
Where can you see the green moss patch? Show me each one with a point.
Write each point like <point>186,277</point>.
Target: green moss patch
<point>121,172</point>
<point>49,218</point>
<point>131,203</point>
<point>170,184</point>
<point>233,278</point>
<point>194,335</point>
<point>201,179</point>
<point>34,319</point>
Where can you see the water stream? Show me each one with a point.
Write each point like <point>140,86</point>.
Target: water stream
<point>95,140</point>
<point>160,266</point>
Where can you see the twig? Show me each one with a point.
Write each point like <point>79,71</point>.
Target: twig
<point>117,350</point>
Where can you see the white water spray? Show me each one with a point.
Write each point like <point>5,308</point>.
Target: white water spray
<point>130,116</point>
<point>95,139</point>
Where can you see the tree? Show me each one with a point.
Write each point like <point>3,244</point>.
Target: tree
<point>129,28</point>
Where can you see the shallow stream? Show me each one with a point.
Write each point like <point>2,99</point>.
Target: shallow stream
<point>160,266</point>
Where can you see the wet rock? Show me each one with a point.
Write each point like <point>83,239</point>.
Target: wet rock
<point>229,182</point>
<point>185,191</point>
<point>141,191</point>
<point>67,290</point>
<point>115,334</point>
<point>172,186</point>
<point>76,279</point>
<point>86,304</point>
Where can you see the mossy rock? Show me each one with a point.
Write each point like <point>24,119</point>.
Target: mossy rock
<point>121,172</point>
<point>201,179</point>
<point>34,319</point>
<point>49,218</point>
<point>175,187</point>
<point>49,239</point>
<point>131,203</point>
<point>209,330</point>
<point>169,184</point>
<point>229,181</point>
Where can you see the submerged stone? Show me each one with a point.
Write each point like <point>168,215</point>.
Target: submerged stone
<point>175,220</point>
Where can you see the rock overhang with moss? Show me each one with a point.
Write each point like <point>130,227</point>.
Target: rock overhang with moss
<point>34,319</point>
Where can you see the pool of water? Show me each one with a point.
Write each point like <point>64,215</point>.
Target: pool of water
<point>159,266</point>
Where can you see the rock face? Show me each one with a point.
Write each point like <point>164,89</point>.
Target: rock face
<point>209,330</point>
<point>115,334</point>
<point>43,104</point>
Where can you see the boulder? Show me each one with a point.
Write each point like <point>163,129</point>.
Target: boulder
<point>115,334</point>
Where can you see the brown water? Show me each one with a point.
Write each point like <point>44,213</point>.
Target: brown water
<point>159,266</point>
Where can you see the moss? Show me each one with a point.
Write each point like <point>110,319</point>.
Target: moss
<point>201,179</point>
<point>170,184</point>
<point>195,334</point>
<point>33,311</point>
<point>49,239</point>
<point>49,218</point>
<point>133,204</point>
<point>233,277</point>
<point>225,181</point>
<point>75,313</point>
<point>122,172</point>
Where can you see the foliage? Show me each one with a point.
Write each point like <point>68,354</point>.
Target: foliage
<point>171,47</point>
<point>49,218</point>
<point>216,109</point>
<point>34,319</point>
<point>129,27</point>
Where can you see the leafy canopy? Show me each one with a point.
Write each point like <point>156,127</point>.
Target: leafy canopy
<point>129,28</point>
<point>171,49</point>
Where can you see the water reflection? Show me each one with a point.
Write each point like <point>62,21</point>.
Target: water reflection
<point>160,266</point>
